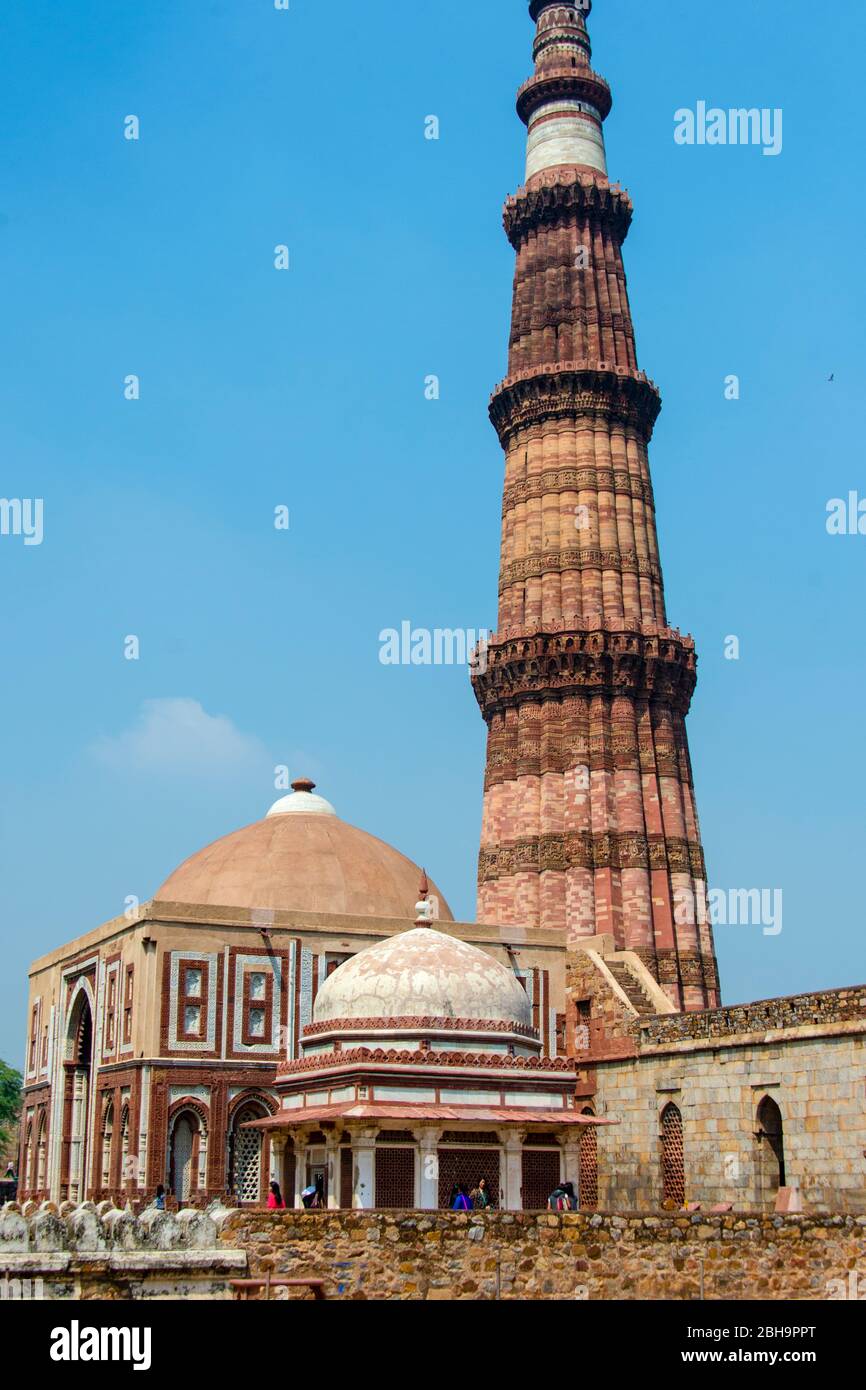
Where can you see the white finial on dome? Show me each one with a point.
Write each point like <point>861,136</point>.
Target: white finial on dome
<point>302,802</point>
<point>424,907</point>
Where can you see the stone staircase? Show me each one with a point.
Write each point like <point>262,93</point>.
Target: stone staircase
<point>631,988</point>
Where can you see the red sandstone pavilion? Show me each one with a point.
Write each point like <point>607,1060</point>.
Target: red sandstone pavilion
<point>278,1011</point>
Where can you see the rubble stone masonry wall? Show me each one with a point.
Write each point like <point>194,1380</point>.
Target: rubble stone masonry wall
<point>531,1255</point>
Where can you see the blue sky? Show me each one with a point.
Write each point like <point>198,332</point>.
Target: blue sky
<point>306,388</point>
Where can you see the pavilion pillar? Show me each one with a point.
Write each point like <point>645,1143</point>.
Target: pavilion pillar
<point>427,1182</point>
<point>364,1169</point>
<point>276,1161</point>
<point>512,1178</point>
<point>332,1161</point>
<point>300,1167</point>
<point>570,1161</point>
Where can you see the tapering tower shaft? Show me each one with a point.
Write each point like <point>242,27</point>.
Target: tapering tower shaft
<point>589,825</point>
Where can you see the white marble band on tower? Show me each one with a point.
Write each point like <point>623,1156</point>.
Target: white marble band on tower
<point>565,132</point>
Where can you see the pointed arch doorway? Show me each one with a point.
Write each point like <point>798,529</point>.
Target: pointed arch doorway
<point>78,1064</point>
<point>771,1150</point>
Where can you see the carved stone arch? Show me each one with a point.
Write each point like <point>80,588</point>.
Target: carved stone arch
<point>248,1151</point>
<point>82,1006</point>
<point>270,1104</point>
<point>124,1176</point>
<point>188,1126</point>
<point>42,1152</point>
<point>197,1107</point>
<point>79,1050</point>
<point>27,1175</point>
<point>106,1140</point>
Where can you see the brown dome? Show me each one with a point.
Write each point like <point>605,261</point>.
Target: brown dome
<point>301,863</point>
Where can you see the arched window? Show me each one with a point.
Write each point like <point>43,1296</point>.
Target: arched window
<point>245,1155</point>
<point>41,1153</point>
<point>27,1175</point>
<point>588,1163</point>
<point>184,1152</point>
<point>126,1175</point>
<point>673,1159</point>
<point>772,1151</point>
<point>107,1136</point>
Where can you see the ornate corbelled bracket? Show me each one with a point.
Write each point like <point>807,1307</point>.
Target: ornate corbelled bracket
<point>566,193</point>
<point>569,390</point>
<point>547,666</point>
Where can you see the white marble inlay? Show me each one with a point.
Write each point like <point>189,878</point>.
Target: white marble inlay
<point>564,140</point>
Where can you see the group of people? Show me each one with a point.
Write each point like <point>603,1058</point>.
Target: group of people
<point>313,1197</point>
<point>562,1198</point>
<point>476,1200</point>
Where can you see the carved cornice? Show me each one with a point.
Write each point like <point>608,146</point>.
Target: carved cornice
<point>394,1056</point>
<point>587,663</point>
<point>570,84</point>
<point>593,479</point>
<point>573,389</point>
<point>451,1025</point>
<point>565,195</point>
<point>581,849</point>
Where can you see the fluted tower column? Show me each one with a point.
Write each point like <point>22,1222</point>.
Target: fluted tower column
<point>589,823</point>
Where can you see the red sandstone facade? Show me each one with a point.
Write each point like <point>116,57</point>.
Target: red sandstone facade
<point>590,826</point>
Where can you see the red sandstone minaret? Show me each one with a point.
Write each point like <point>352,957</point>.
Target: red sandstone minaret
<point>589,824</point>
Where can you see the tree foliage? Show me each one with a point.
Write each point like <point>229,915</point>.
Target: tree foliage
<point>10,1102</point>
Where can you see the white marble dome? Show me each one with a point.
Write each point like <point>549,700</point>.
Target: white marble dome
<point>423,974</point>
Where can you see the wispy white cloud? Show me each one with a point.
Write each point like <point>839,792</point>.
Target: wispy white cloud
<point>177,735</point>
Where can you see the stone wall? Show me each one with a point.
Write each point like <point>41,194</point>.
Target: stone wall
<point>109,1253</point>
<point>816,1081</point>
<point>807,1053</point>
<point>530,1255</point>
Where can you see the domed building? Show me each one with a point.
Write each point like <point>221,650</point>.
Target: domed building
<point>421,1072</point>
<point>155,1040</point>
<point>300,858</point>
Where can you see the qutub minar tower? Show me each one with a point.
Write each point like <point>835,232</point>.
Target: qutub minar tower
<point>589,824</point>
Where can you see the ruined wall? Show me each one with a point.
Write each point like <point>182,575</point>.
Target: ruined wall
<point>104,1252</point>
<point>522,1255</point>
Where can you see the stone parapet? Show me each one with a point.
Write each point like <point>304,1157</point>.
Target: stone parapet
<point>824,1008</point>
<point>104,1251</point>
